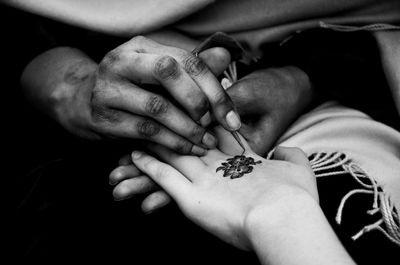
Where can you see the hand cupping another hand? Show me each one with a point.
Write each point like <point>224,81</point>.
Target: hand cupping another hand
<point>268,101</point>
<point>220,204</point>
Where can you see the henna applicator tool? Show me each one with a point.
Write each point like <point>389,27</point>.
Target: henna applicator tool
<point>220,39</point>
<point>237,138</point>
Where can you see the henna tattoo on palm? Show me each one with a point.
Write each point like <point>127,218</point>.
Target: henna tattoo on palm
<point>237,166</point>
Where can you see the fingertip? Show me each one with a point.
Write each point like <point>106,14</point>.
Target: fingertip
<point>155,201</point>
<point>221,54</point>
<point>120,193</point>
<point>280,152</point>
<point>217,59</point>
<point>112,182</point>
<point>291,154</point>
<point>206,119</point>
<point>115,176</point>
<point>136,155</point>
<point>123,172</point>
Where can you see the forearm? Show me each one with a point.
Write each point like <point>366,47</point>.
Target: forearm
<point>299,234</point>
<point>55,76</point>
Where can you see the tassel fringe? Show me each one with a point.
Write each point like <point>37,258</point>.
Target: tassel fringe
<point>389,223</point>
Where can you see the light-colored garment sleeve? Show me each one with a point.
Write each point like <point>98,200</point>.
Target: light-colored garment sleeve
<point>115,17</point>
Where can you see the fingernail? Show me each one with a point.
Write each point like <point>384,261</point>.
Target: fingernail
<point>147,212</point>
<point>136,154</point>
<point>198,151</point>
<point>118,198</point>
<point>233,120</point>
<point>209,140</point>
<point>206,119</point>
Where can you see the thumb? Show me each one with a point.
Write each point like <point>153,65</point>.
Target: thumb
<point>217,59</point>
<point>167,177</point>
<point>291,154</point>
<point>249,97</point>
<point>298,157</point>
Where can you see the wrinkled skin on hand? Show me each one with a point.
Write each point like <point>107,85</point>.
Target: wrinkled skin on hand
<point>113,99</point>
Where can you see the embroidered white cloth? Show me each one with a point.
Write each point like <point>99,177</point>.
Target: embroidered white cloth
<point>372,150</point>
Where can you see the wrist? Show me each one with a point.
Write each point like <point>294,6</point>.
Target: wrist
<point>296,226</point>
<point>285,212</point>
<point>70,98</point>
<point>58,83</point>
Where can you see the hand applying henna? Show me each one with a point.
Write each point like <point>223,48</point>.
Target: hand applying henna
<point>220,39</point>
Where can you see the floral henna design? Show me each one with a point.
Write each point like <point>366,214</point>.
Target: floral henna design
<point>237,166</point>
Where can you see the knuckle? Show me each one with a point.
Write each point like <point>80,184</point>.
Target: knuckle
<point>156,105</point>
<point>103,114</point>
<point>197,133</point>
<point>162,170</point>
<point>199,105</point>
<point>98,103</point>
<point>138,39</point>
<point>99,111</point>
<point>166,67</point>
<point>110,61</point>
<point>183,147</point>
<point>152,166</point>
<point>113,56</point>
<point>193,65</point>
<point>221,98</point>
<point>97,94</point>
<point>103,68</point>
<point>148,128</point>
